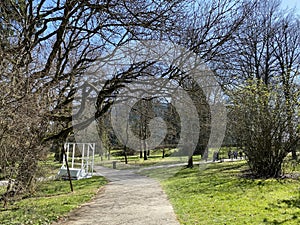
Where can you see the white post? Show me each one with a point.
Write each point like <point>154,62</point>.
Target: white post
<point>65,152</point>
<point>68,150</point>
<point>87,158</point>
<point>93,157</point>
<point>82,157</point>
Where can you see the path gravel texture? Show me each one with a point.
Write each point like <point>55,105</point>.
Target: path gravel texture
<point>129,198</point>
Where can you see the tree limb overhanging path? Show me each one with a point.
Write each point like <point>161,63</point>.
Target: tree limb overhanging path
<point>128,199</point>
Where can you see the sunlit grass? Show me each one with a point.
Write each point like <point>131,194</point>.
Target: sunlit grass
<point>52,200</point>
<point>217,194</point>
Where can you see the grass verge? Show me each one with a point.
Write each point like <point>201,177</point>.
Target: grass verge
<point>51,201</point>
<point>217,194</point>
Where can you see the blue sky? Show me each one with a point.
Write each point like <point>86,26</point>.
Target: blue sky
<point>291,4</point>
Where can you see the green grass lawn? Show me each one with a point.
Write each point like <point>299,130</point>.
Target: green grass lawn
<point>217,194</point>
<point>134,161</point>
<point>51,200</point>
<point>155,158</point>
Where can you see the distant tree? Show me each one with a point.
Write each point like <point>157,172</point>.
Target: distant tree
<point>142,113</point>
<point>172,120</point>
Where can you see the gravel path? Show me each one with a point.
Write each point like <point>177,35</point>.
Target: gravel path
<point>128,199</point>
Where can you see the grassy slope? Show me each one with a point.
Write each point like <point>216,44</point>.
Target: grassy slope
<point>217,194</point>
<point>51,201</point>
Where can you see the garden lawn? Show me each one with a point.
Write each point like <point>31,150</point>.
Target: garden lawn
<point>51,201</point>
<point>217,194</point>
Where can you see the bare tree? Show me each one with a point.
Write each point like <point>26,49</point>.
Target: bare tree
<point>45,47</point>
<point>211,24</point>
<point>260,72</point>
<point>142,113</point>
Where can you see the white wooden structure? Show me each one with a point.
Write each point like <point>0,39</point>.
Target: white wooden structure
<point>80,158</point>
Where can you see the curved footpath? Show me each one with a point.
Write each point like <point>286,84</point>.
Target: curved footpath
<point>128,199</point>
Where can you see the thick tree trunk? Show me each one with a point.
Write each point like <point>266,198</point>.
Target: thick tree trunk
<point>24,181</point>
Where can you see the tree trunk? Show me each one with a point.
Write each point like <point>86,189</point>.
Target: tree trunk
<point>294,153</point>
<point>190,162</point>
<point>145,155</point>
<point>125,154</point>
<point>145,150</point>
